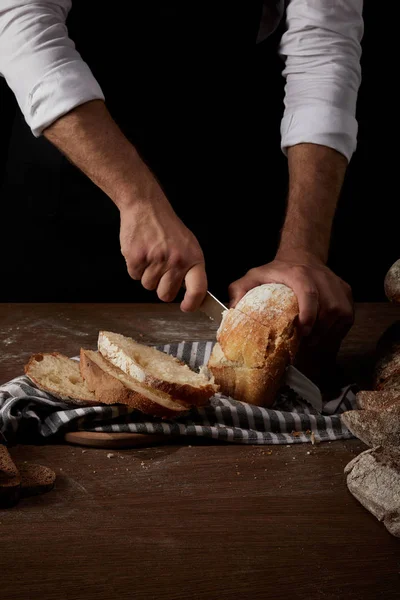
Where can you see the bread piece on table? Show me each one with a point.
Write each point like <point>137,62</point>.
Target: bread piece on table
<point>156,369</point>
<point>112,386</point>
<point>35,479</point>
<point>373,478</point>
<point>377,400</point>
<point>375,427</point>
<point>60,376</point>
<point>10,480</point>
<point>392,283</point>
<point>255,343</point>
<point>386,375</point>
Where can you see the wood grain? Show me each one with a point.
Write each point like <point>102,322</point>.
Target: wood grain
<point>197,519</point>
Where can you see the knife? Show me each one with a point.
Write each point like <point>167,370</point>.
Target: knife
<point>213,307</point>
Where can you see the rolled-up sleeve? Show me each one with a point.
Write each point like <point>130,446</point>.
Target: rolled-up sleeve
<point>40,62</point>
<point>321,47</point>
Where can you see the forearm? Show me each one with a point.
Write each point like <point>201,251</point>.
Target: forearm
<point>316,175</point>
<point>90,139</point>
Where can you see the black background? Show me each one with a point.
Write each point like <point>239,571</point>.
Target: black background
<point>203,104</point>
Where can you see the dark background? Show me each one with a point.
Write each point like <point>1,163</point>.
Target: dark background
<point>203,105</point>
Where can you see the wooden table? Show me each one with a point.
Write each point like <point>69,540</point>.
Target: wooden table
<point>198,519</point>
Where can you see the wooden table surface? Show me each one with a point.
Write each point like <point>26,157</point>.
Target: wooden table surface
<point>195,519</point>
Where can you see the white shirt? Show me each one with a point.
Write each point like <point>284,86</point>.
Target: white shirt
<point>321,48</point>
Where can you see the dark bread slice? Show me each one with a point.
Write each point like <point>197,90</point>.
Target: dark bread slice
<point>377,400</point>
<point>35,479</point>
<point>10,481</point>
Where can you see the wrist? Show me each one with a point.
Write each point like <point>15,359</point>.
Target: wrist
<point>299,254</point>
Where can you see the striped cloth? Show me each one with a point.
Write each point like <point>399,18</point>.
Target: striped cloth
<point>26,411</point>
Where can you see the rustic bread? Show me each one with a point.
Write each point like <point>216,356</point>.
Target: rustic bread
<point>392,283</point>
<point>255,343</point>
<point>10,480</point>
<point>112,386</point>
<point>377,400</point>
<point>386,375</point>
<point>373,478</point>
<point>35,479</point>
<point>60,376</point>
<point>157,370</point>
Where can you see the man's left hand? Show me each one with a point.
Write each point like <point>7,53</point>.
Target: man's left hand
<point>326,311</point>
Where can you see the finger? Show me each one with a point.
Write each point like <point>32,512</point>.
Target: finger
<point>152,275</point>
<point>136,270</point>
<point>170,284</point>
<point>196,288</point>
<point>241,286</point>
<point>335,317</point>
<point>307,297</point>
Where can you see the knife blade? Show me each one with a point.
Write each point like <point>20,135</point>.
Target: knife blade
<point>213,307</point>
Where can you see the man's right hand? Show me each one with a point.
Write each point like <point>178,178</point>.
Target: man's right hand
<point>159,250</point>
<point>162,252</point>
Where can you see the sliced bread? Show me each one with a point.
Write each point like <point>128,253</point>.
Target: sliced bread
<point>35,479</point>
<point>157,370</point>
<point>10,480</point>
<point>60,376</point>
<point>112,386</point>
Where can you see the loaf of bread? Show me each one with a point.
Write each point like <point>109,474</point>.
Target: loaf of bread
<point>255,343</point>
<point>392,283</point>
<point>373,478</point>
<point>386,375</point>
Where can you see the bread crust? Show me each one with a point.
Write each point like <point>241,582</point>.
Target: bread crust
<point>188,394</point>
<point>386,375</point>
<point>392,283</point>
<point>109,390</point>
<point>255,343</point>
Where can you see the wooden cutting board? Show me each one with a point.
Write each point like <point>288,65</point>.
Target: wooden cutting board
<point>115,440</point>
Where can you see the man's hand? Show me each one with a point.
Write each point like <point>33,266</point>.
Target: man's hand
<point>159,250</point>
<point>316,174</point>
<point>325,301</point>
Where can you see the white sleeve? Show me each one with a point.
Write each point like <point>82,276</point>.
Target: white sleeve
<point>40,63</point>
<point>322,49</point>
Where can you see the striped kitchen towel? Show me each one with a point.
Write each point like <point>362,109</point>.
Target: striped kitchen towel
<point>26,411</point>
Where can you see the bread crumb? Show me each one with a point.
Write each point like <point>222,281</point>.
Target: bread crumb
<point>110,455</point>
<point>94,471</point>
<point>308,452</point>
<point>237,472</point>
<point>83,451</point>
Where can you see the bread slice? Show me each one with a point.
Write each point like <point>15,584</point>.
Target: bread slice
<point>35,479</point>
<point>10,480</point>
<point>112,386</point>
<point>373,478</point>
<point>156,369</point>
<point>60,376</point>
<point>255,342</point>
<point>373,427</point>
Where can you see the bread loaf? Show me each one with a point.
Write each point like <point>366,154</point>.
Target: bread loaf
<point>255,342</point>
<point>392,283</point>
<point>386,375</point>
<point>157,370</point>
<point>112,386</point>
<point>373,478</point>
